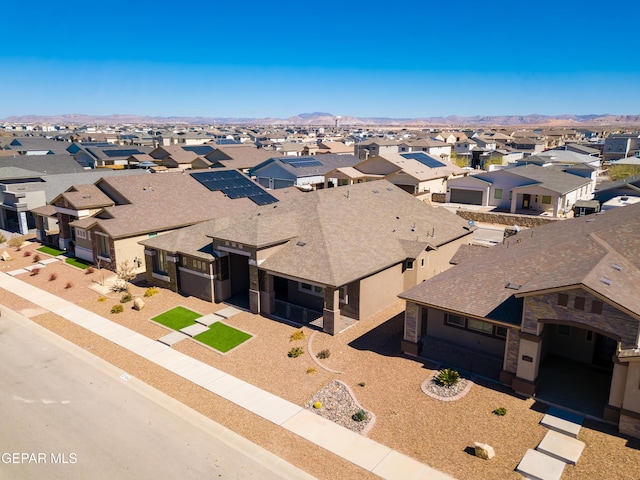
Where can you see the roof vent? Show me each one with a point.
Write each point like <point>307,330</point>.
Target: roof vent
<point>513,286</point>
<point>301,244</point>
<point>606,281</point>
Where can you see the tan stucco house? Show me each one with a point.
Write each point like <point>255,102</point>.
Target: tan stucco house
<point>337,255</point>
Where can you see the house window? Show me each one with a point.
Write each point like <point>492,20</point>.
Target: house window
<point>510,194</point>
<point>103,246</point>
<point>596,307</point>
<point>563,299</point>
<point>221,267</point>
<point>497,194</point>
<point>455,321</point>
<point>546,199</point>
<point>578,303</point>
<point>589,336</point>
<point>422,262</point>
<point>306,286</point>
<point>564,330</point>
<point>409,264</point>
<point>480,326</point>
<point>80,233</point>
<point>501,332</point>
<point>160,262</point>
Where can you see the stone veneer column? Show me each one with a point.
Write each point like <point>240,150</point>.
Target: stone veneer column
<point>267,293</point>
<point>510,362</point>
<point>411,338</point>
<point>254,289</point>
<point>528,364</point>
<point>331,311</point>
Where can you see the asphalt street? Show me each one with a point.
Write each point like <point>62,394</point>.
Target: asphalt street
<point>66,414</point>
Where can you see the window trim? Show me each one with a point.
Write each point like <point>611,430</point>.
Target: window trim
<point>465,325</point>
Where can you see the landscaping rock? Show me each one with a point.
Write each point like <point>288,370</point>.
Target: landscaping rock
<point>6,257</point>
<point>484,451</point>
<point>138,304</point>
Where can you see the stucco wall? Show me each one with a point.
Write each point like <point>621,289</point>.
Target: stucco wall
<point>380,290</point>
<point>475,342</point>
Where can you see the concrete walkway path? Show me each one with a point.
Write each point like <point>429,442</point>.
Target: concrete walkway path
<point>353,447</point>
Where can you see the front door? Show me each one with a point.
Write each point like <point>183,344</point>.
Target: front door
<point>526,200</point>
<point>603,352</point>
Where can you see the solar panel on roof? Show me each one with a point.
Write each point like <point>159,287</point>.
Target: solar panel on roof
<point>424,159</point>
<point>121,153</point>
<point>298,162</point>
<point>199,149</point>
<point>234,185</point>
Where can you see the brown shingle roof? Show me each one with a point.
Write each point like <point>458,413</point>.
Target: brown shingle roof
<point>338,235</point>
<point>568,253</point>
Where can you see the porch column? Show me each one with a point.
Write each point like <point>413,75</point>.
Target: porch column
<point>514,202</point>
<point>556,206</point>
<point>528,364</point>
<point>510,362</point>
<point>331,311</point>
<point>616,392</point>
<point>267,293</point>
<point>22,223</point>
<point>411,331</point>
<point>254,289</point>
<point>630,411</point>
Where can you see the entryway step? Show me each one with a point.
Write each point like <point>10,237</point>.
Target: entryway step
<point>562,421</point>
<point>561,446</point>
<point>539,466</point>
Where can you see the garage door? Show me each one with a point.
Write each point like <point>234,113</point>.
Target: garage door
<point>470,197</point>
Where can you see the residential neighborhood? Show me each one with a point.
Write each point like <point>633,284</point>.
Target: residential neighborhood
<point>381,256</point>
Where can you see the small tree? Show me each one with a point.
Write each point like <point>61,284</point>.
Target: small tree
<point>125,273</point>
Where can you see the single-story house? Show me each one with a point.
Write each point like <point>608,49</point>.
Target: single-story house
<point>334,255</point>
<point>558,298</point>
<point>525,189</point>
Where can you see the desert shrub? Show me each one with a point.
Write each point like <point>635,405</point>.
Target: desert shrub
<point>311,370</point>
<point>89,271</point>
<point>15,242</point>
<point>2,238</point>
<point>35,271</point>
<point>27,253</point>
<point>359,416</point>
<point>68,285</point>
<point>151,291</point>
<point>36,258</point>
<point>500,411</point>
<point>317,405</point>
<point>119,287</point>
<point>53,277</point>
<point>127,297</point>
<point>448,377</point>
<point>362,384</point>
<point>117,308</point>
<point>299,335</point>
<point>322,354</point>
<point>295,352</point>
<point>102,298</point>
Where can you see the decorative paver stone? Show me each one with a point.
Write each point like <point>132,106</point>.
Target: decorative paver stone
<point>562,447</point>
<point>484,451</point>
<point>537,465</point>
<point>195,329</point>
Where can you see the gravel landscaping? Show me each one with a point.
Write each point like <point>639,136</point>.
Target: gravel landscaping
<point>438,433</point>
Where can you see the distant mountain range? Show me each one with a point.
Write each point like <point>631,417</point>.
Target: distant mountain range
<point>321,118</point>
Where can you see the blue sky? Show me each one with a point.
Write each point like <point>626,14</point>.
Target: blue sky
<point>402,59</point>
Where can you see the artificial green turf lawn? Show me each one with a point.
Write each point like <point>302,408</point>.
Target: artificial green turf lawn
<point>76,262</point>
<point>222,337</point>
<point>177,318</point>
<point>50,251</point>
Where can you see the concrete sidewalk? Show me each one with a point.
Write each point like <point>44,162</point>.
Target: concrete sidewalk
<point>353,447</point>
